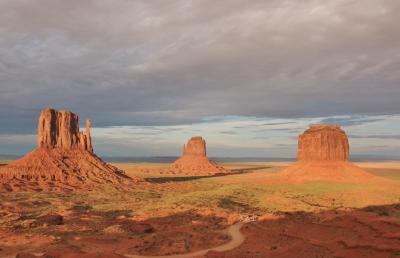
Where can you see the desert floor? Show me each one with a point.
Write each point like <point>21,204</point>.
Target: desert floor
<point>246,214</point>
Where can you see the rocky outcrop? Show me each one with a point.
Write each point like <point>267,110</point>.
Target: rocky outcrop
<point>88,138</point>
<point>323,142</point>
<point>323,154</point>
<point>63,161</point>
<point>195,147</point>
<point>194,160</point>
<point>60,129</point>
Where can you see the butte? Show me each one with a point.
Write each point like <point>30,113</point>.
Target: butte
<point>323,155</point>
<point>194,160</point>
<point>63,161</point>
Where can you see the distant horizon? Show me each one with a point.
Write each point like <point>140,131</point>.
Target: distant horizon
<point>170,159</point>
<point>372,136</point>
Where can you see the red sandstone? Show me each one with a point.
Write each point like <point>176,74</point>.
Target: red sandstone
<point>323,154</point>
<point>194,160</point>
<point>323,142</point>
<point>64,160</point>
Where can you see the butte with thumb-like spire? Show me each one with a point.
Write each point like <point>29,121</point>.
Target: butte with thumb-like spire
<point>63,161</point>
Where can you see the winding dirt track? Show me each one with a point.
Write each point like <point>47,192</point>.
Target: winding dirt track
<point>233,231</point>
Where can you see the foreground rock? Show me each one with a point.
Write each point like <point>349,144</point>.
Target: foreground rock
<point>323,154</point>
<point>335,233</point>
<point>194,160</point>
<point>64,160</point>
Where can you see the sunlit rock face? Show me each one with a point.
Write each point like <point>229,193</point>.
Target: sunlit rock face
<point>60,129</point>
<point>63,161</point>
<point>196,146</point>
<point>323,142</point>
<point>323,155</point>
<point>194,160</point>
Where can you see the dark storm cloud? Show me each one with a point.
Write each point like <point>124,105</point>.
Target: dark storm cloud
<point>177,62</point>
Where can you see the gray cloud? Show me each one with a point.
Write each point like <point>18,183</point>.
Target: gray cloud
<point>351,121</point>
<point>176,62</point>
<point>228,132</point>
<point>376,136</point>
<point>281,123</point>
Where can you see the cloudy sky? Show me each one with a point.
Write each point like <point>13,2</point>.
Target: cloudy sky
<point>247,75</point>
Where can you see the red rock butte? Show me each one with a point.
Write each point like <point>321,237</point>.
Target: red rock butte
<point>63,161</point>
<point>60,129</point>
<point>194,160</point>
<point>323,142</point>
<point>323,154</point>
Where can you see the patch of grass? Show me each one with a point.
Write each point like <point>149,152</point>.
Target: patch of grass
<point>230,204</point>
<point>322,188</point>
<point>236,196</point>
<point>112,213</point>
<point>81,208</point>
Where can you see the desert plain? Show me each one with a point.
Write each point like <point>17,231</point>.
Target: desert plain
<point>138,123</point>
<point>247,213</point>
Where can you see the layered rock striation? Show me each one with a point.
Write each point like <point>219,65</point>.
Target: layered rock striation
<point>194,160</point>
<point>63,161</point>
<point>60,129</point>
<point>323,142</point>
<point>323,154</point>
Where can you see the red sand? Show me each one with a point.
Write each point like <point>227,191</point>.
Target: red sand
<point>56,169</point>
<point>341,171</point>
<point>328,234</point>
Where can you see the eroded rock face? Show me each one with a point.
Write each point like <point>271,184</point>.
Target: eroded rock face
<point>61,129</point>
<point>194,160</point>
<point>323,155</point>
<point>196,146</point>
<point>89,146</point>
<point>323,142</point>
<point>63,161</point>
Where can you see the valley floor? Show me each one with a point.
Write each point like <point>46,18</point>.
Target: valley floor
<point>171,215</point>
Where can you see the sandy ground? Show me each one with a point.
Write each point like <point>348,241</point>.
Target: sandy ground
<point>170,215</point>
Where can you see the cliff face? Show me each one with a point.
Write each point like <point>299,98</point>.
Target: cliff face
<point>60,129</point>
<point>196,146</point>
<point>323,142</point>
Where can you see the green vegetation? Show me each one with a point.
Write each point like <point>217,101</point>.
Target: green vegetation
<point>215,193</point>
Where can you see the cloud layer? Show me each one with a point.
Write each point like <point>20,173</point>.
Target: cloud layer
<point>161,62</point>
<point>373,136</point>
<point>169,62</point>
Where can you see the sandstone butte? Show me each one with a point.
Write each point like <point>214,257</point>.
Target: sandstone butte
<point>194,160</point>
<point>63,161</point>
<point>323,154</point>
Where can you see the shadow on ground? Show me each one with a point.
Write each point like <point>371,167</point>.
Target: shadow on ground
<point>373,231</point>
<point>191,178</point>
